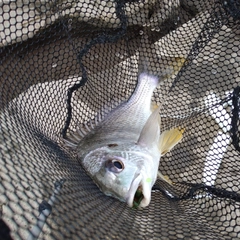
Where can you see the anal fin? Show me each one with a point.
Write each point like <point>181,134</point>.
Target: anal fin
<point>164,178</point>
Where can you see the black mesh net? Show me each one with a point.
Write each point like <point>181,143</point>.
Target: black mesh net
<point>65,62</point>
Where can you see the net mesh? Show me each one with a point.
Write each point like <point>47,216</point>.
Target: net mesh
<point>65,62</point>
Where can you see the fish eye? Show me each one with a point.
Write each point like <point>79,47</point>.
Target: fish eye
<point>115,165</point>
<point>118,164</point>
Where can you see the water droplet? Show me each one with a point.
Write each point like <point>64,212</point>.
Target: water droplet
<point>54,65</point>
<point>141,32</point>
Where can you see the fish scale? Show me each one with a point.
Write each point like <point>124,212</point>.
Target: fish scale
<point>124,124</point>
<point>121,154</point>
<point>136,110</point>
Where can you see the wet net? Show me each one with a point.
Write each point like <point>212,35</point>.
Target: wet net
<point>62,63</point>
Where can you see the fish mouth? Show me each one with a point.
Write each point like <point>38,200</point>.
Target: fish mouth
<point>139,194</point>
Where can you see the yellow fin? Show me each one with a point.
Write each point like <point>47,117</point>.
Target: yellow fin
<point>164,178</point>
<point>169,138</point>
<point>154,106</point>
<point>176,65</point>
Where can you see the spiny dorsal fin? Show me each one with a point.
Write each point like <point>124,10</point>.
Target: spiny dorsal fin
<point>151,130</point>
<point>169,138</point>
<point>75,137</point>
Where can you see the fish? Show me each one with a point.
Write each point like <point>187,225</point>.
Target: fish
<point>122,152</point>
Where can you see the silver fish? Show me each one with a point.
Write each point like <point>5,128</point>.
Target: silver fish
<point>122,153</point>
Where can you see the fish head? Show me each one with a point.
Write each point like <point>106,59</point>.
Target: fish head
<point>120,171</point>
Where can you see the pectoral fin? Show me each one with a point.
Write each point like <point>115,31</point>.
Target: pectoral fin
<point>151,130</point>
<point>169,138</point>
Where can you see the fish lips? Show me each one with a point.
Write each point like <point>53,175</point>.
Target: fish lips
<point>146,191</point>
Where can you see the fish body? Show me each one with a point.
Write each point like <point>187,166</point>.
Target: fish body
<point>122,153</point>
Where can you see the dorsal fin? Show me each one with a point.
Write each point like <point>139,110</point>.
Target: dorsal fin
<point>75,137</point>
